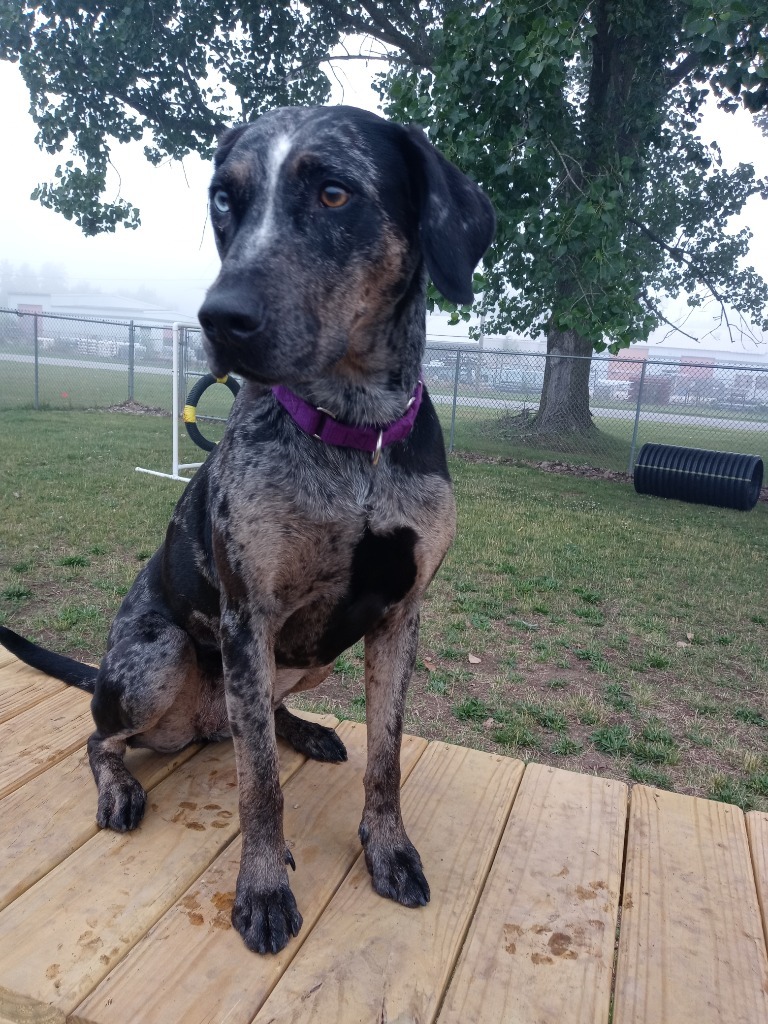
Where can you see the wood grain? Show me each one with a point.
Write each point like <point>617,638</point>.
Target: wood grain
<point>370,959</point>
<point>42,735</point>
<point>62,936</point>
<point>691,948</point>
<point>540,950</point>
<point>22,687</point>
<point>6,658</point>
<point>215,977</point>
<point>54,813</point>
<point>757,830</point>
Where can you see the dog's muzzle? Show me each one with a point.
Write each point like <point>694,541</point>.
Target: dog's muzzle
<point>232,329</point>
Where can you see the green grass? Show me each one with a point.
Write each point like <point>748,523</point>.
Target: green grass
<point>625,692</point>
<point>614,740</point>
<point>472,710</point>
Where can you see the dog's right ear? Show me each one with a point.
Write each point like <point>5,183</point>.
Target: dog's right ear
<point>457,221</point>
<point>226,138</point>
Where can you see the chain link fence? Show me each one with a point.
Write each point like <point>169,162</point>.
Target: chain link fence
<point>59,362</point>
<point>486,400</point>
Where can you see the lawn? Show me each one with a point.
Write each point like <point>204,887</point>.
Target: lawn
<point>574,622</point>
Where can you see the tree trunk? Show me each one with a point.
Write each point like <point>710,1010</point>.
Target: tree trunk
<point>621,63</point>
<point>564,406</point>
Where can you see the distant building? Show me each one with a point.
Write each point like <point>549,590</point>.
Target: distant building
<point>98,326</point>
<point>100,307</point>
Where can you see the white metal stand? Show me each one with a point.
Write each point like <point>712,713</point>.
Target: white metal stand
<point>175,464</point>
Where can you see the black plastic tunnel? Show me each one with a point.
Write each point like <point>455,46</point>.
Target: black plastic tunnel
<point>695,474</point>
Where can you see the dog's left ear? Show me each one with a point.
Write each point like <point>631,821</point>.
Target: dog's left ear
<point>226,138</point>
<point>457,220</point>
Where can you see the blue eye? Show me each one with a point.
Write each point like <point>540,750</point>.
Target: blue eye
<point>220,201</point>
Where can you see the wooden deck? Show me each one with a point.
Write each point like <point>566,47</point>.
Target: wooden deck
<point>534,873</point>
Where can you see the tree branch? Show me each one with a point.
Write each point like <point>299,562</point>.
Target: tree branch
<point>382,28</point>
<point>679,255</point>
<point>203,109</point>
<point>674,76</point>
<point>653,308</point>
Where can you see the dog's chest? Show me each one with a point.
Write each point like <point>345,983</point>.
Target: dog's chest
<point>344,605</point>
<point>329,551</point>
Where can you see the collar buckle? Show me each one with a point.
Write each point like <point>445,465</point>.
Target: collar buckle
<point>328,416</point>
<point>377,450</point>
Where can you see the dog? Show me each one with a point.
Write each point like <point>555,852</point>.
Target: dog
<point>326,509</point>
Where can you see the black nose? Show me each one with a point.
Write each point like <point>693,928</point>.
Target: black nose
<point>227,315</point>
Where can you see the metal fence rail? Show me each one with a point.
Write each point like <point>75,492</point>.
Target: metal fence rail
<point>487,403</point>
<point>486,400</point>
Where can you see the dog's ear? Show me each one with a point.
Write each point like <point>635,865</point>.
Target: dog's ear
<point>457,222</point>
<point>226,139</point>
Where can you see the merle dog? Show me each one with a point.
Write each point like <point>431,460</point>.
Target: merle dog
<point>326,509</point>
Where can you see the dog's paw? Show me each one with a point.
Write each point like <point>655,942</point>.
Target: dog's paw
<point>121,805</point>
<point>396,870</point>
<point>323,744</point>
<point>310,738</point>
<point>265,920</point>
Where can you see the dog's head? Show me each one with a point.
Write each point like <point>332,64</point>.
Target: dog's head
<point>324,219</point>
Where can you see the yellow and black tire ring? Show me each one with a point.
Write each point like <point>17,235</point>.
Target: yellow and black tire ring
<point>190,409</point>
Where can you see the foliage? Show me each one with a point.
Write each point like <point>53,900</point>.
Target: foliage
<point>582,125</point>
<point>581,121</point>
<point>170,72</point>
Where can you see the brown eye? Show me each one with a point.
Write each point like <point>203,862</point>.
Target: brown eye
<point>334,196</point>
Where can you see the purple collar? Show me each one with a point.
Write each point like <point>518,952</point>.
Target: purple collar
<point>322,424</point>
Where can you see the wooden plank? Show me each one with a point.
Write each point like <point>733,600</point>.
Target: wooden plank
<point>6,658</point>
<point>215,978</point>
<point>22,687</point>
<point>55,813</point>
<point>62,936</point>
<point>691,948</point>
<point>370,959</point>
<point>42,735</point>
<point>540,949</point>
<point>757,830</point>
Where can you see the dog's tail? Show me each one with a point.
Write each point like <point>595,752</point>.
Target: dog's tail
<point>72,672</point>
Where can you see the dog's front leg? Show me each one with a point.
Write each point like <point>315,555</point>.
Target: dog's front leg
<point>392,859</point>
<point>264,911</point>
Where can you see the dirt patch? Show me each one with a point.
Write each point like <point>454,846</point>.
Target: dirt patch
<point>133,409</point>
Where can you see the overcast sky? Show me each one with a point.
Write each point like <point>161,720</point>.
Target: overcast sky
<point>173,251</point>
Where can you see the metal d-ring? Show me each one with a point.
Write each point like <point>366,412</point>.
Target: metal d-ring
<point>377,449</point>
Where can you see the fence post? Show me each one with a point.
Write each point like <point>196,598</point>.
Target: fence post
<point>176,405</point>
<point>455,399</point>
<point>131,356</point>
<point>37,366</point>
<point>631,465</point>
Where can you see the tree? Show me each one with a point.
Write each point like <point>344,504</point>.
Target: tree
<point>579,118</point>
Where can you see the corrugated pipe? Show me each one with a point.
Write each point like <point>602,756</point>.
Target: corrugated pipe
<point>694,474</point>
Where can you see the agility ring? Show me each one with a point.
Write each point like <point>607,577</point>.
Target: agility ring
<point>189,415</point>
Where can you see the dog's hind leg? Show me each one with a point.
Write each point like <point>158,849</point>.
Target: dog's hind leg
<point>139,681</point>
<point>311,738</point>
<point>392,859</point>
